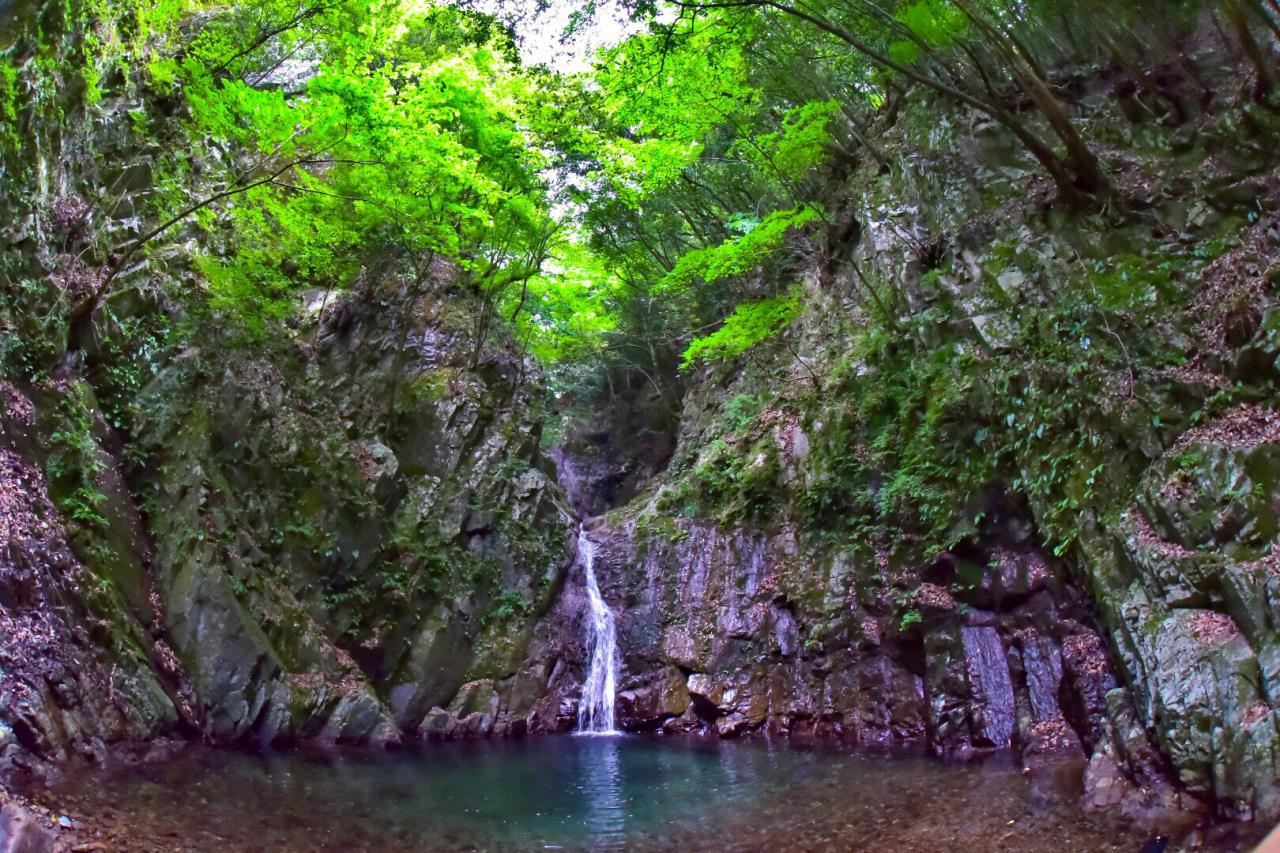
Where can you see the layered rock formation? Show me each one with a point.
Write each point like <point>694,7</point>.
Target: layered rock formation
<point>291,576</point>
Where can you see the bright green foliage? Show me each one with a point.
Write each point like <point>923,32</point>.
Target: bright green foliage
<point>798,147</point>
<point>682,144</point>
<point>669,98</point>
<point>931,24</point>
<point>739,256</point>
<point>751,323</point>
<point>411,140</point>
<point>74,461</point>
<point>566,315</point>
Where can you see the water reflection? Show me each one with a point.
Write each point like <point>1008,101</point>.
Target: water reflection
<point>606,804</point>
<point>579,793</point>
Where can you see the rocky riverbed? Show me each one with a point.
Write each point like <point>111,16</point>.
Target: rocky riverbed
<point>634,792</point>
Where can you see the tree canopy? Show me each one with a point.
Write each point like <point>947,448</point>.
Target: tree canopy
<point>617,215</point>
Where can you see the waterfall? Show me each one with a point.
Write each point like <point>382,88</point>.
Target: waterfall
<point>595,709</point>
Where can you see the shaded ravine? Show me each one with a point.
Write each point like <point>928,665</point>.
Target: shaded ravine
<point>724,629</point>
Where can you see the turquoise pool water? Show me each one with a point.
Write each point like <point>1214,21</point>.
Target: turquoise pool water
<point>584,793</point>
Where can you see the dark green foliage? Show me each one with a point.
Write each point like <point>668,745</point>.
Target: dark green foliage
<point>74,461</point>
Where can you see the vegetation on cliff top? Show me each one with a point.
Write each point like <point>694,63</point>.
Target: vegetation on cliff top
<point>680,203</point>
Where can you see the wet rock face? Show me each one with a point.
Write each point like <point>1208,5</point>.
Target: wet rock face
<point>72,681</point>
<point>992,689</point>
<point>1189,583</point>
<point>1160,673</point>
<point>319,559</point>
<point>320,538</point>
<point>1150,649</point>
<point>734,631</point>
<point>341,552</point>
<point>611,458</point>
<point>21,832</point>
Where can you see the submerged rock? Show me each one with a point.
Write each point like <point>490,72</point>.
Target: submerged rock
<point>22,832</point>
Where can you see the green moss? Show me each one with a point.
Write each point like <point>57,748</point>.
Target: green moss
<point>74,463</point>
<point>9,105</point>
<point>738,481</point>
<point>430,386</point>
<point>920,418</point>
<point>658,524</point>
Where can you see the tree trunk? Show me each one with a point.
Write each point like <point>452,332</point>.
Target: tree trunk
<point>1235,13</point>
<point>406,321</point>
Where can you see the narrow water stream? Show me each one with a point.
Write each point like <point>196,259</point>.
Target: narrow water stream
<point>595,709</point>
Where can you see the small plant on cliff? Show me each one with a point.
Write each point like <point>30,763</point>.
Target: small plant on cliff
<point>507,605</point>
<point>73,464</point>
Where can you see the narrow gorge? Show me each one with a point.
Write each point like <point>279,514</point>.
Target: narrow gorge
<point>639,425</point>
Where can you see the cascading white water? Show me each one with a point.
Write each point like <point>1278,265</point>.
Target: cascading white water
<point>595,708</point>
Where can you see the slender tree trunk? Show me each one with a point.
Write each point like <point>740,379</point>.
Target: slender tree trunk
<point>1089,176</point>
<point>795,354</point>
<point>1239,20</point>
<point>866,287</point>
<point>411,307</point>
<point>1261,12</point>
